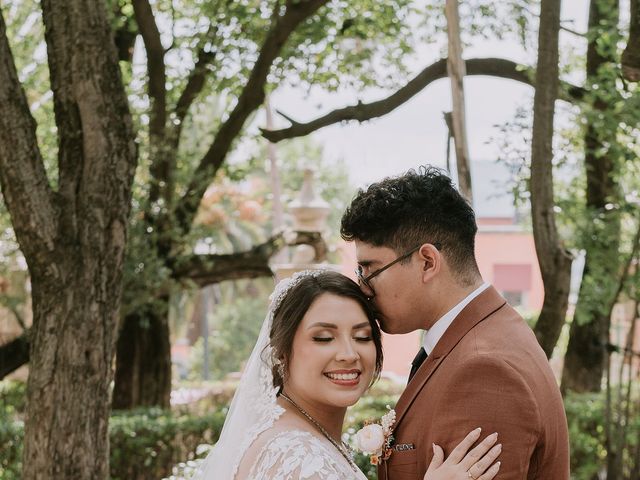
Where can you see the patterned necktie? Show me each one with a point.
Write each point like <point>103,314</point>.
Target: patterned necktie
<point>419,360</point>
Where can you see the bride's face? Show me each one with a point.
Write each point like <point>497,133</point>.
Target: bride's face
<point>333,355</point>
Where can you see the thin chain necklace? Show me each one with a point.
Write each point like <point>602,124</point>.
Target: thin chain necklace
<point>344,449</point>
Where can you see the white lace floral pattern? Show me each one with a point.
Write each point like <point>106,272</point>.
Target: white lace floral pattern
<point>299,455</point>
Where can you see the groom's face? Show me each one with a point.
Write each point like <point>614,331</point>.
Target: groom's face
<point>395,288</point>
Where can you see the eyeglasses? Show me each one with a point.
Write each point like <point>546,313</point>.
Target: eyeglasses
<point>363,281</point>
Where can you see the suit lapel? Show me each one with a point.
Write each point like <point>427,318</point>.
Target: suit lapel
<point>477,310</point>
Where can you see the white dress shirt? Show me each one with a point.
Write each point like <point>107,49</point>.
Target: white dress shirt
<point>434,334</point>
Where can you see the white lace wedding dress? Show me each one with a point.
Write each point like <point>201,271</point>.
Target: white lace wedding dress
<point>299,455</point>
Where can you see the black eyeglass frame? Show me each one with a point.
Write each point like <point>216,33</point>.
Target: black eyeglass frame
<point>365,280</point>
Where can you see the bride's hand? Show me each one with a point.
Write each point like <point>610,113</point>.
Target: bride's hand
<point>463,464</point>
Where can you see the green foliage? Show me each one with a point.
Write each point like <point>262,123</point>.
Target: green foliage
<point>350,43</point>
<point>514,20</point>
<point>585,416</point>
<point>11,438</point>
<point>12,403</point>
<point>145,273</point>
<point>13,394</point>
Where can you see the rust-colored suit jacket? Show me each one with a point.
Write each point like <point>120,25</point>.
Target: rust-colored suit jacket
<point>486,371</point>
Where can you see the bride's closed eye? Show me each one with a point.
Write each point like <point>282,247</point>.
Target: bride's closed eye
<point>322,339</point>
<point>367,338</point>
<point>357,339</point>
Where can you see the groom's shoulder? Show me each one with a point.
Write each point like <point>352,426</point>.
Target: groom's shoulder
<point>504,336</point>
<point>505,327</point>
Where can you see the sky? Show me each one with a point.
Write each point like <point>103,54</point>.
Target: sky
<point>415,133</point>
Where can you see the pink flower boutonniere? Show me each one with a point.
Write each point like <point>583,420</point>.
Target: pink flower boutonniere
<point>375,439</point>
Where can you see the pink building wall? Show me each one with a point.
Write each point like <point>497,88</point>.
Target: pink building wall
<point>510,248</point>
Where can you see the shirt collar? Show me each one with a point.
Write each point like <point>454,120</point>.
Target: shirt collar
<point>434,334</point>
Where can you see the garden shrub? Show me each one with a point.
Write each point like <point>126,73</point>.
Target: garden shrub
<point>144,444</point>
<point>11,433</point>
<point>586,417</point>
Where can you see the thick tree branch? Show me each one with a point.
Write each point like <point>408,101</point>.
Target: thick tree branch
<point>14,354</point>
<point>192,89</point>
<point>208,269</point>
<point>631,54</point>
<point>495,67</point>
<point>25,187</point>
<point>161,164</point>
<point>155,65</point>
<point>250,99</point>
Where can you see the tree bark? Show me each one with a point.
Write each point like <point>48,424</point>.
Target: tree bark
<point>73,239</point>
<point>585,360</point>
<point>554,259</point>
<point>456,71</point>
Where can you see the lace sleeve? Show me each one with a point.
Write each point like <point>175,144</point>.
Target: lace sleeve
<point>297,455</point>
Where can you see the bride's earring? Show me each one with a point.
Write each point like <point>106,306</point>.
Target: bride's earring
<point>280,368</point>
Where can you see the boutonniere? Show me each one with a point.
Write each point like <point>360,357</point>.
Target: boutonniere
<point>376,439</point>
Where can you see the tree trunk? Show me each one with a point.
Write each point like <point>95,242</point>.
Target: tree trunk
<point>586,355</point>
<point>554,260</point>
<point>73,238</point>
<point>75,315</point>
<point>143,360</point>
<point>456,72</point>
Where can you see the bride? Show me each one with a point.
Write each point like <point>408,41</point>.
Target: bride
<point>319,350</point>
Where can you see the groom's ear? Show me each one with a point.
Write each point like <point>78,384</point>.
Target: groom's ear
<point>431,261</point>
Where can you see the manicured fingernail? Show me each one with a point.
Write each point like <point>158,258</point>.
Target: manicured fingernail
<point>498,464</point>
<point>494,435</point>
<point>433,445</point>
<point>477,430</point>
<point>499,446</point>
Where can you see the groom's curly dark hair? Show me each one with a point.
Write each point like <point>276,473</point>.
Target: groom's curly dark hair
<point>418,207</point>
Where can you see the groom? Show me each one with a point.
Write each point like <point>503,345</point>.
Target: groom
<point>480,364</point>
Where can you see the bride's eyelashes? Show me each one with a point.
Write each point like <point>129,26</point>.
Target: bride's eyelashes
<point>328,339</point>
<point>322,339</point>
<point>364,339</point>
